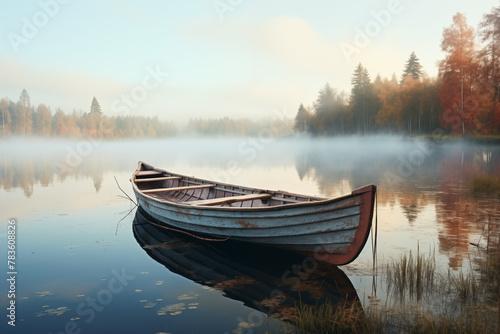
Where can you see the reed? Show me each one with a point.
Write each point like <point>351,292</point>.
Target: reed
<point>345,317</point>
<point>455,302</point>
<point>405,318</point>
<point>485,184</point>
<point>411,276</point>
<point>465,285</point>
<point>489,264</point>
<point>416,319</point>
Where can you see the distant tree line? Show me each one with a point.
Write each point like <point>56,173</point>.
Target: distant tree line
<point>226,126</point>
<point>463,99</point>
<point>24,119</point>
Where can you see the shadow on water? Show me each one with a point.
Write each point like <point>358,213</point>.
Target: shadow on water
<point>271,281</point>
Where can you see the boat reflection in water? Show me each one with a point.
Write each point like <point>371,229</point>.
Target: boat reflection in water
<point>266,279</point>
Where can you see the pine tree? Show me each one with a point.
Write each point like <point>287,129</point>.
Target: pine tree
<point>329,107</point>
<point>362,99</point>
<point>95,108</point>
<point>95,120</point>
<point>302,120</point>
<point>412,68</point>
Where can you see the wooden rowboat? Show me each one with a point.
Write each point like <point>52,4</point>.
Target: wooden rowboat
<point>332,229</point>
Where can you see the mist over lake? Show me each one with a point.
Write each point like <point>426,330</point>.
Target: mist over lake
<point>75,225</point>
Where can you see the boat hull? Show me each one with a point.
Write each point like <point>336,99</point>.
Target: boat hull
<point>334,229</point>
<point>260,279</point>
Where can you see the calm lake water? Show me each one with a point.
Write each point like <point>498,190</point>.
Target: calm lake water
<point>86,261</point>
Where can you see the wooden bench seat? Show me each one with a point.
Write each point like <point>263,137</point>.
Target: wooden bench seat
<point>159,190</point>
<point>149,172</point>
<point>230,199</point>
<point>164,178</point>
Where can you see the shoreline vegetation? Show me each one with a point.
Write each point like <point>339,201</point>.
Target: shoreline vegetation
<point>474,139</point>
<point>485,184</point>
<point>420,299</point>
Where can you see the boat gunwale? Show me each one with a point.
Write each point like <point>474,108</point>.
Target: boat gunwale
<point>185,205</point>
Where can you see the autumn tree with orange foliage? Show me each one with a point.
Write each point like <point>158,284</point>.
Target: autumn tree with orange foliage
<point>458,72</point>
<point>464,98</point>
<point>412,107</point>
<point>412,104</point>
<point>389,117</point>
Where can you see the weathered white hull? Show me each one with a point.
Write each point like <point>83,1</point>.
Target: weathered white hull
<point>337,228</point>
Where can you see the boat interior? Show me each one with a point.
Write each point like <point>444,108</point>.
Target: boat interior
<point>176,188</point>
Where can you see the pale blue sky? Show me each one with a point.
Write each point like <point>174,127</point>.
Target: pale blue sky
<point>206,58</point>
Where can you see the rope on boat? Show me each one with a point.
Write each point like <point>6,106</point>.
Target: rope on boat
<point>118,224</point>
<point>125,192</point>
<point>185,232</point>
<point>374,237</point>
<point>374,247</point>
<point>162,226</point>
